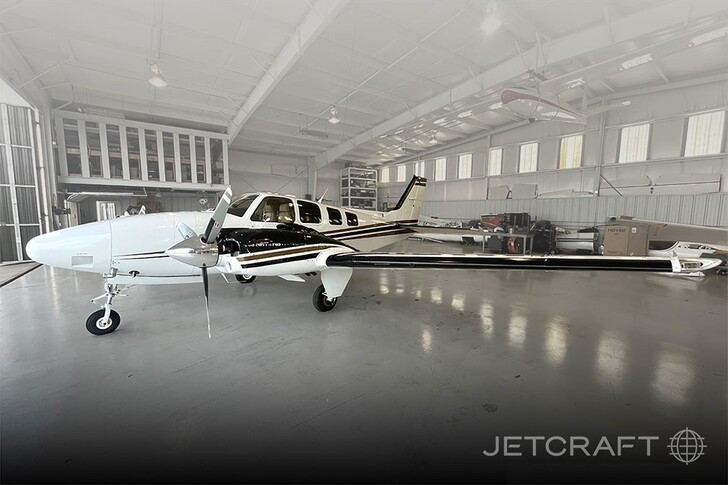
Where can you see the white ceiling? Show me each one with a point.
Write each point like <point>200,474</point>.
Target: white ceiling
<point>397,71</point>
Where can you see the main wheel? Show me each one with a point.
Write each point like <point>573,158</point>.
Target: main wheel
<point>321,302</point>
<point>96,325</point>
<point>245,278</point>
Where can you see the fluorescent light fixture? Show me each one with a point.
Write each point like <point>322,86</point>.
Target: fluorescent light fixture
<point>465,114</point>
<point>440,121</point>
<point>398,132</point>
<point>334,118</point>
<point>497,105</point>
<point>157,80</point>
<point>383,136</point>
<point>575,82</point>
<point>637,61</point>
<point>707,37</point>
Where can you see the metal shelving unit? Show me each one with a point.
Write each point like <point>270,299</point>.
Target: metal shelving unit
<point>359,188</point>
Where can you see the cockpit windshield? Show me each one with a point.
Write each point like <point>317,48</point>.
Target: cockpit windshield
<point>238,207</point>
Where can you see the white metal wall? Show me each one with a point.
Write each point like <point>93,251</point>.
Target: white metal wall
<point>702,209</point>
<point>667,109</point>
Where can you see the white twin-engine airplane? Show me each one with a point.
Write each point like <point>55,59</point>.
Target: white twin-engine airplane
<point>268,234</point>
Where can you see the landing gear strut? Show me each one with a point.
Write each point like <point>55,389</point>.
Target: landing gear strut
<point>105,320</point>
<point>321,302</point>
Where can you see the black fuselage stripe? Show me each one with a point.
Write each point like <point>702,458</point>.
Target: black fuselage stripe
<point>390,227</point>
<point>292,259</point>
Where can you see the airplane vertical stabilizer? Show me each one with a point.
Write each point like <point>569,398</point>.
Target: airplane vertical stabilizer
<point>407,210</point>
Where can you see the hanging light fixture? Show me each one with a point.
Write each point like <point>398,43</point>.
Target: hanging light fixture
<point>334,116</point>
<point>492,21</point>
<point>157,80</point>
<point>433,140</point>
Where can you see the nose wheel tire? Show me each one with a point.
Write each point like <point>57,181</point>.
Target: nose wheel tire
<point>245,278</point>
<point>96,325</point>
<point>321,302</point>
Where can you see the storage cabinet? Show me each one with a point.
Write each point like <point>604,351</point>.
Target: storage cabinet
<point>359,188</point>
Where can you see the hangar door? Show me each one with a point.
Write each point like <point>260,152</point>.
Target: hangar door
<point>19,206</point>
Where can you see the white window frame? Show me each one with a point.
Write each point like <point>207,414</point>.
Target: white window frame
<point>465,166</point>
<point>634,143</point>
<point>571,156</point>
<point>384,175</point>
<point>401,173</point>
<point>419,168</point>
<point>704,134</point>
<point>495,161</point>
<point>440,169</point>
<point>528,157</point>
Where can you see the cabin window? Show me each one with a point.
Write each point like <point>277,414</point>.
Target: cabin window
<point>274,209</point>
<point>352,219</point>
<point>310,213</point>
<point>334,216</point>
<point>238,207</point>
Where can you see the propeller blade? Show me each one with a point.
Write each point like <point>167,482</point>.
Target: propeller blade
<point>213,227</point>
<point>185,231</point>
<point>207,299</point>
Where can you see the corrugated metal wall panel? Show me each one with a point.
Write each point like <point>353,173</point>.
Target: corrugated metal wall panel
<point>700,209</point>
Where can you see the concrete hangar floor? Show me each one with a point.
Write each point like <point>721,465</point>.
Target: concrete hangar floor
<point>410,378</point>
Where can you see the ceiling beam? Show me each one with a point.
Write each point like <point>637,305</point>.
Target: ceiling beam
<point>15,67</point>
<point>566,47</point>
<point>320,16</point>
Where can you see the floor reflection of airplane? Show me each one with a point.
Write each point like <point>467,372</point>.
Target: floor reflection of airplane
<point>275,235</point>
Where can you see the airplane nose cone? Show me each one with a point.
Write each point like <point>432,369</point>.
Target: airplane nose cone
<point>84,248</point>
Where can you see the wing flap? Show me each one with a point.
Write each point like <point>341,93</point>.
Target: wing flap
<point>477,261</point>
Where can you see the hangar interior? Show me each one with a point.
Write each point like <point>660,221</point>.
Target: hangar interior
<point>572,112</point>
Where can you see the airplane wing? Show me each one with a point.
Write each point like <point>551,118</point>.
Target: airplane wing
<point>476,261</point>
<point>447,234</point>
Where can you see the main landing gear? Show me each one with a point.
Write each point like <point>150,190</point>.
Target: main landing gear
<point>321,302</point>
<point>105,320</point>
<point>245,278</point>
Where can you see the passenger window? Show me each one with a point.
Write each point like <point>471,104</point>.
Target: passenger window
<point>309,212</point>
<point>352,219</point>
<point>334,216</point>
<point>274,209</point>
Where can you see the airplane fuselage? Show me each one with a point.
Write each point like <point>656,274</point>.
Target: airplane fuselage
<point>131,250</point>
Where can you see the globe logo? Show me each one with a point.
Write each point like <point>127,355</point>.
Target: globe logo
<point>687,446</point>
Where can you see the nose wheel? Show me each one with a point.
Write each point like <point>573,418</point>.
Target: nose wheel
<point>97,324</point>
<point>105,320</point>
<point>321,302</point>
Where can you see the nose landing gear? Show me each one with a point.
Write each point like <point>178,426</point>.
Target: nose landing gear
<point>105,320</point>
